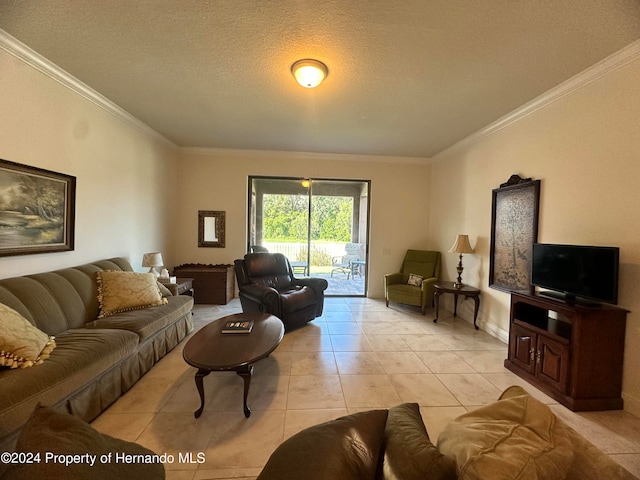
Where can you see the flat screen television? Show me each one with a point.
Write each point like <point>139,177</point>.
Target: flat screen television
<point>579,274</point>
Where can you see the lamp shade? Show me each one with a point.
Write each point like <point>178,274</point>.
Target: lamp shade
<point>461,245</point>
<point>152,260</point>
<point>309,73</point>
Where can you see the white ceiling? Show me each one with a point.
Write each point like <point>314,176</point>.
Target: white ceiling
<point>406,78</point>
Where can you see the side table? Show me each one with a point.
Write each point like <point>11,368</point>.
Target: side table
<point>300,267</point>
<point>183,286</point>
<point>357,267</point>
<point>215,283</point>
<point>465,290</point>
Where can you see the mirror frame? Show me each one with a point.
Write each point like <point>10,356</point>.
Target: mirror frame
<point>220,228</point>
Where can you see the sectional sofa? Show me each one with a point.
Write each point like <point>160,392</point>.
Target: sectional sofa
<point>97,357</point>
<point>514,438</point>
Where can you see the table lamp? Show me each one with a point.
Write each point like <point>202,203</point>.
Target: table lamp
<point>461,246</point>
<point>152,260</point>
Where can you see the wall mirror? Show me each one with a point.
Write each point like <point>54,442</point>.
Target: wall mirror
<point>210,229</point>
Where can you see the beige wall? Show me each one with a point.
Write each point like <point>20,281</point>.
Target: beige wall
<point>217,180</point>
<point>585,149</point>
<point>122,172</point>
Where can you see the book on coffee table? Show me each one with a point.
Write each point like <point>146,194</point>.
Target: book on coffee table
<point>237,327</point>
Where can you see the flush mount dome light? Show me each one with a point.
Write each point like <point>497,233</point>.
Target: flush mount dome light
<point>309,73</point>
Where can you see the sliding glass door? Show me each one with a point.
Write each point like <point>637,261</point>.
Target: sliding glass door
<point>321,225</point>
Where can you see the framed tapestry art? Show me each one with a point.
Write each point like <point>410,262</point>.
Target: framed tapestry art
<point>37,210</point>
<point>514,230</point>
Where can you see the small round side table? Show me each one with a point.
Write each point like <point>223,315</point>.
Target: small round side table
<point>465,290</point>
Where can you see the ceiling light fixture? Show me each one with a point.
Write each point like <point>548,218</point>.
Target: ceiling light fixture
<point>309,73</point>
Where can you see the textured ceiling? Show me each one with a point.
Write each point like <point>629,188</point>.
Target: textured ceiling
<point>406,78</point>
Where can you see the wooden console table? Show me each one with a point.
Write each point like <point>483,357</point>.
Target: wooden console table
<point>214,284</point>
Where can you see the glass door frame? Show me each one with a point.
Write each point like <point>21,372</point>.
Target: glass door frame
<point>336,186</point>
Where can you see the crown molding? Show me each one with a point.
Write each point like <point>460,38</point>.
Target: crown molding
<point>295,155</point>
<point>607,66</point>
<point>32,58</point>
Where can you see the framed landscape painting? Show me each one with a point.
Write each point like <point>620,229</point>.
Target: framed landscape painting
<point>514,230</point>
<point>37,210</point>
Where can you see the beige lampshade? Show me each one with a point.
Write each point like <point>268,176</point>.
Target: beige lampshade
<point>461,245</point>
<point>152,260</point>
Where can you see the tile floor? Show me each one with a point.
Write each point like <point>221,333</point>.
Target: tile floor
<point>359,355</point>
<point>339,284</point>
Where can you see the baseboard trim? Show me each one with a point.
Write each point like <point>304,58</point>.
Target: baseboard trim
<point>496,332</point>
<point>631,404</point>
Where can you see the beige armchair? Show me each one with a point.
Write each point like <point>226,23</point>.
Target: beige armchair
<point>418,292</point>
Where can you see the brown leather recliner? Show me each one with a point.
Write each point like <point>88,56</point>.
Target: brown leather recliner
<point>266,284</point>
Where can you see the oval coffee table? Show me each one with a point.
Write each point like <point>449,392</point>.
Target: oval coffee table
<point>210,350</point>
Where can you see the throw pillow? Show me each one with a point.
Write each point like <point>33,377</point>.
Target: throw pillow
<point>514,438</point>
<point>21,344</point>
<point>348,447</point>
<point>164,291</point>
<point>409,454</point>
<point>61,438</point>
<point>122,291</point>
<point>415,280</point>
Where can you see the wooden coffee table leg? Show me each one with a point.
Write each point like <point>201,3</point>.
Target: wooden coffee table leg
<point>246,373</point>
<point>200,386</point>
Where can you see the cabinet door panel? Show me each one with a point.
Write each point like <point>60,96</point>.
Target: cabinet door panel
<point>553,363</point>
<point>522,347</point>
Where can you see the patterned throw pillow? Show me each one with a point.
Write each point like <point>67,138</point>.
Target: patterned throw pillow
<point>415,280</point>
<point>21,344</point>
<point>122,291</point>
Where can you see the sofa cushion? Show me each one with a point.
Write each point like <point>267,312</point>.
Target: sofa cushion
<point>80,357</point>
<point>147,322</point>
<point>345,448</point>
<point>50,433</point>
<point>415,280</point>
<point>123,291</point>
<point>517,437</point>
<point>21,344</point>
<point>57,301</point>
<point>408,452</point>
<point>405,293</point>
<point>589,463</point>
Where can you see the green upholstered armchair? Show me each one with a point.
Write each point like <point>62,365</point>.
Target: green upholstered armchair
<point>417,262</point>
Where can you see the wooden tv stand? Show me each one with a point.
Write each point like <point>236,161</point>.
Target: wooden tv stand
<point>572,353</point>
